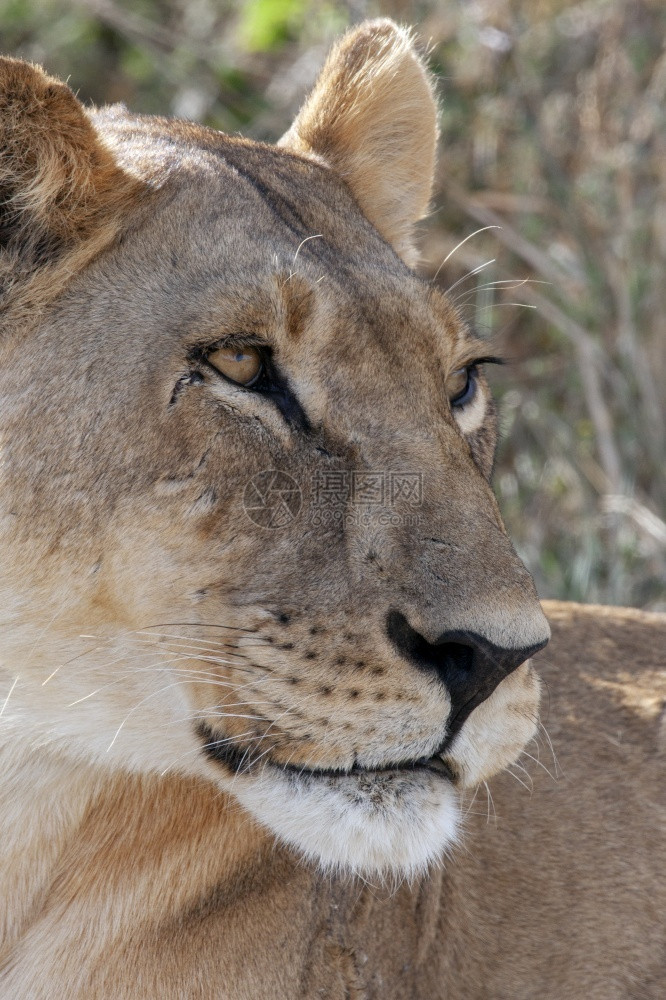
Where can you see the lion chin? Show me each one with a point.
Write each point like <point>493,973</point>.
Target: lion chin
<point>376,824</point>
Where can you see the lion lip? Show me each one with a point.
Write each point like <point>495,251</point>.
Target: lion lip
<point>238,761</point>
<point>435,765</point>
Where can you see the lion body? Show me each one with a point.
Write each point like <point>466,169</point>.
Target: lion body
<point>558,892</point>
<point>241,740</point>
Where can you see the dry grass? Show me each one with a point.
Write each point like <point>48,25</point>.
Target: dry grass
<point>554,132</point>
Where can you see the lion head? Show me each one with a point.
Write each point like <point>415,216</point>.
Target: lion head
<point>247,527</point>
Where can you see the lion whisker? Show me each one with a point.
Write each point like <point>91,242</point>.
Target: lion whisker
<point>458,246</point>
<point>206,746</point>
<point>529,788</point>
<point>316,236</point>
<point>470,274</point>
<point>194,642</point>
<point>157,666</point>
<point>473,800</point>
<point>254,760</point>
<point>161,625</point>
<point>154,694</point>
<point>9,694</point>
<point>491,802</point>
<point>556,763</point>
<point>540,764</point>
<point>503,284</point>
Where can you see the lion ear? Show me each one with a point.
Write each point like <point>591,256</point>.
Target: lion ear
<point>59,186</point>
<point>372,118</point>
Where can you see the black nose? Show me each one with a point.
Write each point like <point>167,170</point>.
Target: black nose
<point>470,666</point>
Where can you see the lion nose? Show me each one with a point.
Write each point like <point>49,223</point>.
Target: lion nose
<point>468,665</point>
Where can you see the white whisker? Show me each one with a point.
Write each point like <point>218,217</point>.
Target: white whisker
<point>491,802</point>
<point>205,746</point>
<point>459,245</point>
<point>470,274</point>
<point>540,764</point>
<point>556,765</point>
<point>195,641</point>
<point>519,780</point>
<point>317,236</point>
<point>476,792</point>
<point>9,694</point>
<point>154,694</point>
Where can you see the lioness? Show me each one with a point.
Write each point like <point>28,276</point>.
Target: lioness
<point>263,632</point>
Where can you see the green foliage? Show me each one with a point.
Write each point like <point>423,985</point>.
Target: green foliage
<point>267,24</point>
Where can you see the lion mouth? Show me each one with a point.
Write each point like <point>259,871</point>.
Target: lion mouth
<point>435,765</point>
<point>240,761</point>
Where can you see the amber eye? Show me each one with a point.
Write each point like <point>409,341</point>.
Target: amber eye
<point>242,365</point>
<point>461,386</point>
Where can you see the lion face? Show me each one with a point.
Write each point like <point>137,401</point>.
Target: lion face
<point>245,500</point>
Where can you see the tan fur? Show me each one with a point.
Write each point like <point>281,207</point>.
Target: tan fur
<point>383,145</point>
<point>61,192</point>
<point>141,600</point>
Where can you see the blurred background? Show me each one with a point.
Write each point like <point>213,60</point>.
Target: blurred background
<point>553,156</point>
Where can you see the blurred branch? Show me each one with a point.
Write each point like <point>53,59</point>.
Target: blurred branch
<point>646,520</point>
<point>138,28</point>
<point>588,354</point>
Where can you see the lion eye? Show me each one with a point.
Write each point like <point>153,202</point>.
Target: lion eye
<point>242,365</point>
<point>461,386</point>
